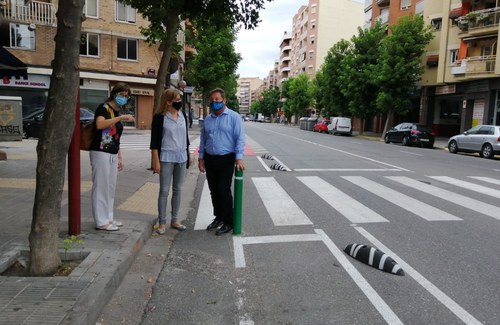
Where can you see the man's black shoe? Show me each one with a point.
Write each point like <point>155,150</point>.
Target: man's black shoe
<point>224,229</point>
<point>214,225</point>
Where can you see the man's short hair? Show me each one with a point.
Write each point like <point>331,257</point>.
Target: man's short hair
<point>217,90</point>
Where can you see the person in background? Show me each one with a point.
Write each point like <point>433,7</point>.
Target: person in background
<point>170,151</point>
<point>106,158</point>
<point>191,112</point>
<point>222,145</point>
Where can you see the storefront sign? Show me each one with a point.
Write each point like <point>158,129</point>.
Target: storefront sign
<point>142,92</point>
<point>448,89</point>
<point>33,81</point>
<point>478,112</point>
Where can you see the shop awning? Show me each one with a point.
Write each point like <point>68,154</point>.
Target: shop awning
<point>10,66</point>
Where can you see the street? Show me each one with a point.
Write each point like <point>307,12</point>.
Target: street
<point>436,214</point>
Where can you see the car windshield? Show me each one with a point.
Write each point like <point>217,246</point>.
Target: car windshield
<point>474,130</point>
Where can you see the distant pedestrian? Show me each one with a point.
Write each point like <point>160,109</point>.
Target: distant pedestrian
<point>222,144</point>
<point>191,112</point>
<point>105,156</point>
<point>170,151</point>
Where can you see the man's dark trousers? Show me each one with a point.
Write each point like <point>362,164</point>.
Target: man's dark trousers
<point>220,171</point>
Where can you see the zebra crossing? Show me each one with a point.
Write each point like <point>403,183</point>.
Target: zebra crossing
<point>140,142</point>
<point>284,211</point>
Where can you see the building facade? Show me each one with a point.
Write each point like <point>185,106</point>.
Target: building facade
<point>112,50</point>
<point>248,90</point>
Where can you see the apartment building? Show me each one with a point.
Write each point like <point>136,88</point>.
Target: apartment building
<point>247,93</point>
<point>461,85</point>
<point>112,50</point>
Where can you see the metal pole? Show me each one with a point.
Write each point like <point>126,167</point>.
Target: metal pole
<point>238,201</point>
<point>74,205</point>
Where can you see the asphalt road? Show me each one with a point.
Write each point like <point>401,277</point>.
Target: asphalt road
<point>434,213</point>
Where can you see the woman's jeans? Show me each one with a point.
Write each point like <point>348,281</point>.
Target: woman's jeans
<point>170,173</point>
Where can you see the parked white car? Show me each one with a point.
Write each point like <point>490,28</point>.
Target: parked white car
<point>483,139</point>
<point>340,125</point>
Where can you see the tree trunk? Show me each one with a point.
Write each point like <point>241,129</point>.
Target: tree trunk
<point>388,121</point>
<point>54,141</point>
<point>172,23</point>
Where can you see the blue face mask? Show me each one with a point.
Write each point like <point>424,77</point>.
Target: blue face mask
<point>215,106</point>
<point>120,100</point>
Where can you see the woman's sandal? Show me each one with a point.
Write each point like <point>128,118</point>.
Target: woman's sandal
<point>108,227</point>
<point>178,226</point>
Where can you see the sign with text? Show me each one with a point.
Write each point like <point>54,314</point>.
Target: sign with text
<point>33,81</point>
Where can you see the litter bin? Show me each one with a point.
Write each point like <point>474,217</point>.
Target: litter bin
<point>303,123</point>
<point>310,123</point>
<point>11,118</point>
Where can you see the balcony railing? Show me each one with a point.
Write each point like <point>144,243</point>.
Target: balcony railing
<point>383,18</point>
<point>475,65</point>
<point>479,19</point>
<point>34,12</point>
<point>419,8</point>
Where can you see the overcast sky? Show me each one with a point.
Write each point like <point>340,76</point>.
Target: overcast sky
<point>259,48</point>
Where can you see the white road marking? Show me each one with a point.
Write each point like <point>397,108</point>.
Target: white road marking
<point>449,303</point>
<point>345,170</point>
<point>281,207</point>
<point>381,306</point>
<point>263,164</point>
<point>410,153</point>
<point>468,185</point>
<point>421,209</point>
<point>487,179</point>
<point>343,203</point>
<point>461,200</point>
<point>205,210</point>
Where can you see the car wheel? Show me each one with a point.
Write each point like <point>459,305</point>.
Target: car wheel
<point>487,151</point>
<point>453,147</point>
<point>386,139</point>
<point>406,141</point>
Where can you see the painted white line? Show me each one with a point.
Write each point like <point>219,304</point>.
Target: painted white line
<point>381,306</point>
<point>410,153</point>
<point>345,170</point>
<point>205,210</point>
<point>346,205</point>
<point>338,150</point>
<point>281,207</point>
<point>461,313</point>
<point>461,200</point>
<point>282,164</point>
<point>421,209</point>
<point>263,164</point>
<point>487,179</point>
<point>238,242</point>
<point>468,185</point>
<point>355,142</point>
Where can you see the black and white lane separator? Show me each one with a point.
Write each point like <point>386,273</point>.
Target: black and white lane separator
<point>373,257</point>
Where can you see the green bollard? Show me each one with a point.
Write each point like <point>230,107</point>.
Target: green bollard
<point>238,201</point>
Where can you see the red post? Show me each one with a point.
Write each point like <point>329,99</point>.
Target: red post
<point>74,177</point>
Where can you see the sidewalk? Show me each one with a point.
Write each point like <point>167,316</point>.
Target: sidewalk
<point>80,297</point>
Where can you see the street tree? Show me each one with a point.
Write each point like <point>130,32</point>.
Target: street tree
<point>358,80</point>
<point>270,101</point>
<point>55,139</point>
<point>165,17</point>
<point>400,66</point>
<point>328,82</point>
<point>215,62</point>
<point>299,95</point>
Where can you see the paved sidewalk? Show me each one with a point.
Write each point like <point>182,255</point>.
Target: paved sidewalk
<point>80,297</point>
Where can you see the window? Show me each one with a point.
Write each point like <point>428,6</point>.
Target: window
<point>22,37</point>
<point>127,49</point>
<point>453,56</point>
<point>125,13</point>
<point>405,4</point>
<point>313,9</point>
<point>311,55</point>
<point>90,8</point>
<point>89,45</point>
<point>436,23</point>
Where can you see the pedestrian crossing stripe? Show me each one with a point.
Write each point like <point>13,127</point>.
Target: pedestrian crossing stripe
<point>486,179</point>
<point>284,211</point>
<point>468,185</point>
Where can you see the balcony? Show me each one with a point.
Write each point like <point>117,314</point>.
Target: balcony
<point>479,23</point>
<point>419,8</point>
<point>383,2</point>
<point>474,66</point>
<point>383,18</point>
<point>286,59</point>
<point>35,12</point>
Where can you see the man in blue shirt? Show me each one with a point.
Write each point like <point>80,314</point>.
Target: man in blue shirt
<point>222,145</point>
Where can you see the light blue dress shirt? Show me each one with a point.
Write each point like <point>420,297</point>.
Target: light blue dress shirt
<point>173,142</point>
<point>222,135</point>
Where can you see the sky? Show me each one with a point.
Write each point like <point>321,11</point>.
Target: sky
<point>259,47</point>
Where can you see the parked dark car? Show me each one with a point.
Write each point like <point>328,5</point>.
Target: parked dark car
<point>410,134</point>
<point>32,123</point>
<point>482,139</point>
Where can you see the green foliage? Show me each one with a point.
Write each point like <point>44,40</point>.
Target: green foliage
<point>400,66</point>
<point>216,61</point>
<point>69,242</point>
<point>299,93</point>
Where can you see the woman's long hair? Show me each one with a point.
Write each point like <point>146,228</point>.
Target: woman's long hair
<point>167,96</point>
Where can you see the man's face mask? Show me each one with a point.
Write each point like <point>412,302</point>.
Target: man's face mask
<point>215,106</point>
